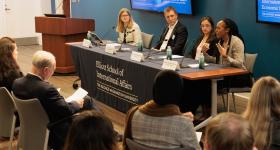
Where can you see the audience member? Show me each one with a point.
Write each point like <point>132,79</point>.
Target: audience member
<point>9,68</point>
<point>91,130</point>
<point>229,131</point>
<point>35,85</point>
<point>128,29</point>
<point>175,33</point>
<point>263,112</point>
<point>159,123</point>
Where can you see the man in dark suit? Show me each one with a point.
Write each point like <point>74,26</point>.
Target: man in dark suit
<point>174,35</point>
<point>35,85</point>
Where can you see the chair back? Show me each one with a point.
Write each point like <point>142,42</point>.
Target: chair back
<point>147,40</point>
<point>250,60</point>
<point>33,134</point>
<point>7,109</point>
<point>132,145</point>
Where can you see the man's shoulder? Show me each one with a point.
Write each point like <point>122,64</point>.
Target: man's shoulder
<point>181,27</point>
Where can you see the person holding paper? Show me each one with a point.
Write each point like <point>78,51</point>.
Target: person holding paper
<point>175,33</point>
<point>35,85</point>
<point>129,31</point>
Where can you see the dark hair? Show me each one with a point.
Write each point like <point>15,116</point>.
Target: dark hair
<point>167,88</point>
<point>8,63</point>
<point>91,130</point>
<point>170,8</point>
<point>233,28</point>
<point>210,20</point>
<point>229,131</point>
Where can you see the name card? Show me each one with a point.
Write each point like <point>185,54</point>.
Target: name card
<point>137,56</point>
<point>170,65</point>
<point>87,43</point>
<point>110,48</point>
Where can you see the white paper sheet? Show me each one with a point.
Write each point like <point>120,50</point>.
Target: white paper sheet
<point>79,94</point>
<point>164,57</point>
<point>196,65</point>
<point>198,135</point>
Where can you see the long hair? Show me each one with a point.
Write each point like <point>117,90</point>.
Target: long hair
<point>7,61</point>
<point>120,26</point>
<point>263,106</point>
<point>233,28</point>
<point>91,130</point>
<point>212,33</point>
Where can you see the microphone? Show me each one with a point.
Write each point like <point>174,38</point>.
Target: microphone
<point>124,40</point>
<point>151,54</point>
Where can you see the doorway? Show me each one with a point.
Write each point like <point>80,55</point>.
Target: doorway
<point>18,17</point>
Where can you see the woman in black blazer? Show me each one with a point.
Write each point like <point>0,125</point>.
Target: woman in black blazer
<point>9,69</point>
<point>201,90</point>
<point>206,42</point>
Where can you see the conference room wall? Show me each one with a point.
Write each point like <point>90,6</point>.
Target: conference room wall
<point>259,38</point>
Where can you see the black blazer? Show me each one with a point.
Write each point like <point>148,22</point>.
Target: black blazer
<point>213,50</point>
<point>180,34</point>
<point>54,104</point>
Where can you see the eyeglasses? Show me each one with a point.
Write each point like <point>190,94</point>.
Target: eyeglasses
<point>124,15</point>
<point>205,26</point>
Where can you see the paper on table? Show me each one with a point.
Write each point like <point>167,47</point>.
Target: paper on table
<point>164,56</point>
<point>79,94</point>
<point>196,65</point>
<point>198,135</point>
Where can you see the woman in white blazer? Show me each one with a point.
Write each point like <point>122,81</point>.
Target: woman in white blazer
<point>129,31</point>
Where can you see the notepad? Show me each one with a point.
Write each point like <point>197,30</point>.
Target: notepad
<point>79,94</point>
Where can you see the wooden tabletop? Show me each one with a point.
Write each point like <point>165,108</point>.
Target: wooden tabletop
<point>211,74</point>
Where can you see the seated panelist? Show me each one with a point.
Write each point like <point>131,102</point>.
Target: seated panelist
<point>206,42</point>
<point>129,31</point>
<point>175,33</point>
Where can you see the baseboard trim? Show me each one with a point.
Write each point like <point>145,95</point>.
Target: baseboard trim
<point>27,41</point>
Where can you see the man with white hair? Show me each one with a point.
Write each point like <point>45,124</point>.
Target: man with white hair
<point>35,85</point>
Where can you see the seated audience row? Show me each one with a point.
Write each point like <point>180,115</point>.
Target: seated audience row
<point>35,85</point>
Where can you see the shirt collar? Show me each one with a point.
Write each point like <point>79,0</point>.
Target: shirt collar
<point>35,75</point>
<point>172,27</point>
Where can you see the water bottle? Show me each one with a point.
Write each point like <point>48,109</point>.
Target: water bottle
<point>89,36</point>
<point>140,46</point>
<point>201,61</point>
<point>169,53</point>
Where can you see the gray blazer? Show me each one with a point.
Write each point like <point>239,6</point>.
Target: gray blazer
<point>235,53</point>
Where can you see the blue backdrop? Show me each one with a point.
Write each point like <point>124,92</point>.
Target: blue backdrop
<point>259,38</point>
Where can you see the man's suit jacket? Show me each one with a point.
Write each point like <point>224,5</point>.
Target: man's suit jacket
<point>177,39</point>
<point>32,86</point>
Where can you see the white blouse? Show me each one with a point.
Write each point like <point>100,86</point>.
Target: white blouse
<point>133,35</point>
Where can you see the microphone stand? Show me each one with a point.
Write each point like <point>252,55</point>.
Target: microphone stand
<point>124,37</point>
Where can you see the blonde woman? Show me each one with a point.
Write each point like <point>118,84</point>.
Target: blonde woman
<point>263,112</point>
<point>129,31</point>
